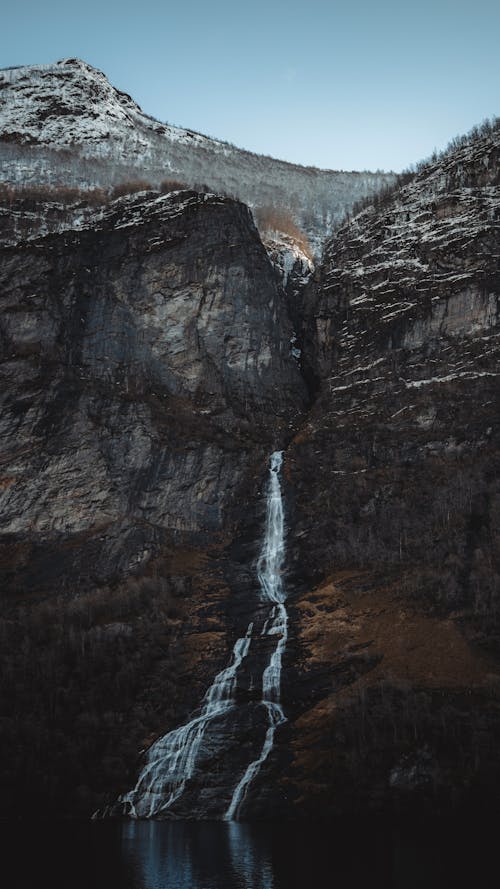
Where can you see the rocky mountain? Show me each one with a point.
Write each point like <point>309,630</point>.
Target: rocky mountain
<point>154,354</point>
<point>395,492</point>
<point>147,373</point>
<point>65,124</point>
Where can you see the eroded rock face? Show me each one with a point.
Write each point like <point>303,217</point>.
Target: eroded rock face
<point>146,375</point>
<point>395,497</point>
<point>161,326</point>
<point>148,370</point>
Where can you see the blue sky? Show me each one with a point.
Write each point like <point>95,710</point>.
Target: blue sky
<point>341,85</point>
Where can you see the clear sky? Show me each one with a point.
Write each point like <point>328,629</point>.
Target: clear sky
<point>342,84</point>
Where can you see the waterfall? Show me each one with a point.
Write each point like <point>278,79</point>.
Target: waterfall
<point>171,760</point>
<point>269,573</point>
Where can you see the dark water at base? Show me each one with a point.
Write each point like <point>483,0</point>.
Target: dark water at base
<point>186,855</point>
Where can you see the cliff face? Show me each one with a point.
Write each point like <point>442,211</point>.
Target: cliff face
<point>153,355</point>
<point>163,318</point>
<point>65,123</point>
<point>147,374</point>
<point>394,481</point>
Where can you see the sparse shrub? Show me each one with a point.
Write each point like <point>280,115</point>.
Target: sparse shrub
<point>95,196</point>
<point>274,219</point>
<point>383,197</point>
<point>7,194</point>
<point>202,186</point>
<point>83,684</point>
<point>57,194</point>
<point>172,185</point>
<point>131,187</point>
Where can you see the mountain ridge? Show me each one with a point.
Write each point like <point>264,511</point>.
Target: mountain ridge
<point>61,128</point>
<point>152,356</point>
<point>313,168</point>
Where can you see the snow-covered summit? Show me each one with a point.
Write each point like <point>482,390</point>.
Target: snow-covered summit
<point>71,103</point>
<point>64,123</point>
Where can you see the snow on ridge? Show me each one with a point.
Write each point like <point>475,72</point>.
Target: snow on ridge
<point>56,105</point>
<point>423,293</point>
<point>117,104</point>
<point>126,211</point>
<point>116,97</point>
<point>448,378</point>
<point>65,124</point>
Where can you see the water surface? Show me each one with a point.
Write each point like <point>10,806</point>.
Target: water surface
<point>215,855</point>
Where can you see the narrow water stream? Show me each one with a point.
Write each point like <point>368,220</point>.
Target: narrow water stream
<point>172,760</point>
<point>269,572</point>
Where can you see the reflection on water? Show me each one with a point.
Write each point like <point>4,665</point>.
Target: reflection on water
<point>204,855</point>
<point>338,854</point>
<point>252,865</point>
<point>344,855</point>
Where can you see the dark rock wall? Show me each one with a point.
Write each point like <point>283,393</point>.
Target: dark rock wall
<point>148,371</point>
<point>396,501</point>
<point>141,362</point>
<point>146,376</point>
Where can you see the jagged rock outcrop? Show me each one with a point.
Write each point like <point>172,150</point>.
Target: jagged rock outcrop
<point>396,502</point>
<point>65,123</point>
<point>147,374</point>
<point>26,218</point>
<point>167,308</point>
<point>294,266</point>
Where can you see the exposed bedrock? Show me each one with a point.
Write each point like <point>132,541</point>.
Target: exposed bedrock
<point>396,503</point>
<point>149,368</point>
<point>143,363</point>
<point>147,374</point>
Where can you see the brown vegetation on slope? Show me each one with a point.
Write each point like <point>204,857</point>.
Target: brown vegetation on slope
<point>273,219</point>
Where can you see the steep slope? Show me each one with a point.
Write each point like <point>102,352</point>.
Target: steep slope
<point>147,375</point>
<point>394,481</point>
<point>65,123</point>
<point>153,356</point>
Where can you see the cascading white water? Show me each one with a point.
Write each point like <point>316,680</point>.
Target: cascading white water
<point>171,760</point>
<point>269,573</point>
